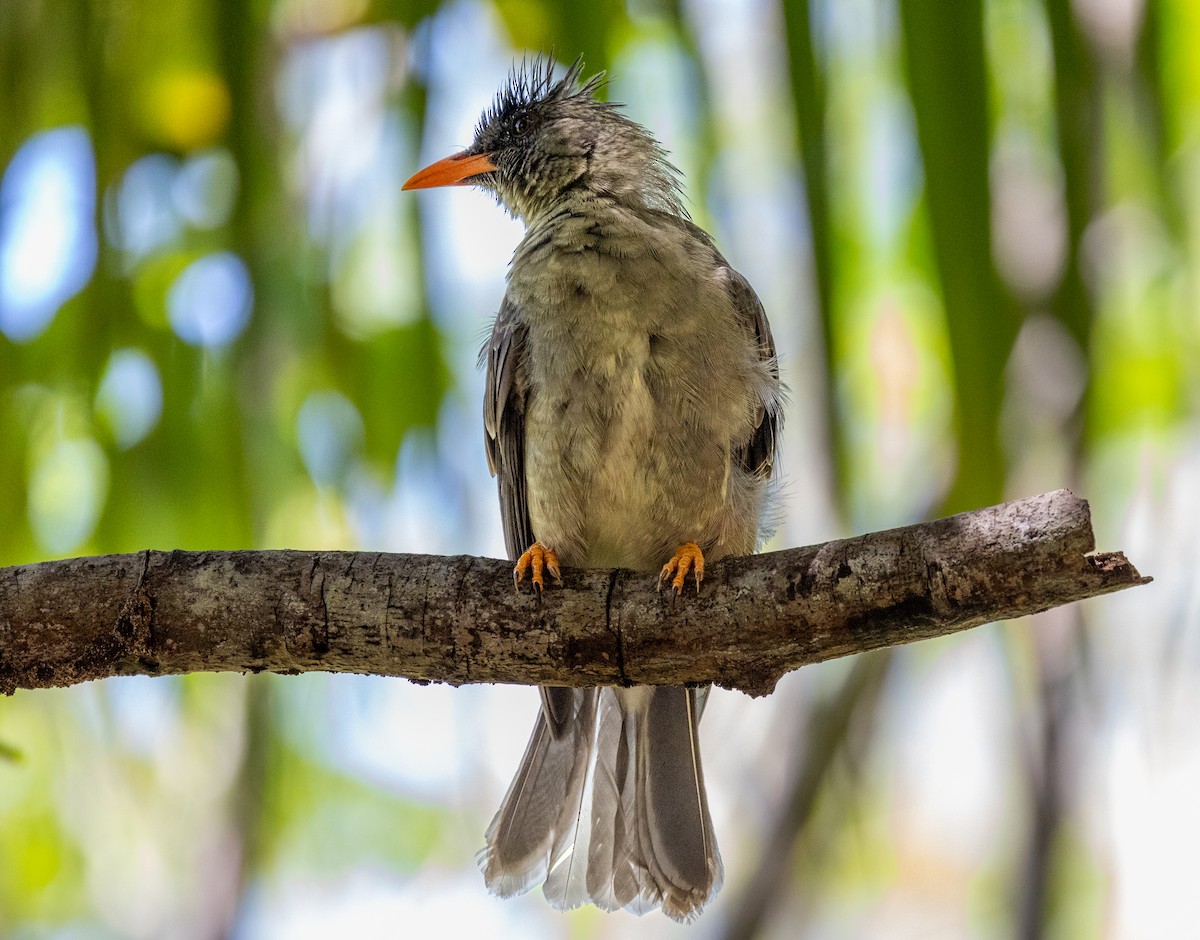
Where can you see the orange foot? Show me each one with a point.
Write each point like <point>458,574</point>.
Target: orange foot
<point>687,557</point>
<point>540,558</point>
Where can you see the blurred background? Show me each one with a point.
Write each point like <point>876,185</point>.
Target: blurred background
<point>222,326</point>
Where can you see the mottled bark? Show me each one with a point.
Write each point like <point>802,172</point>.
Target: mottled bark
<point>458,620</point>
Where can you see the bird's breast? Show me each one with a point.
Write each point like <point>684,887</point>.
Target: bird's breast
<point>627,439</point>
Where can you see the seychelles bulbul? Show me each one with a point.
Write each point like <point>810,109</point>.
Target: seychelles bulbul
<point>631,413</point>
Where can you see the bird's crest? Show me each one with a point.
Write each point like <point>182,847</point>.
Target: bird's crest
<point>532,82</point>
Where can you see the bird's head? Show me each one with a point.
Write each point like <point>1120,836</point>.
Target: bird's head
<point>543,138</point>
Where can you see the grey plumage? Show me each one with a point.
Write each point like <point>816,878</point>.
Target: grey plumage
<point>632,405</point>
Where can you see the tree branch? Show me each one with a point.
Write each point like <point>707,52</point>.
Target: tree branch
<point>458,620</point>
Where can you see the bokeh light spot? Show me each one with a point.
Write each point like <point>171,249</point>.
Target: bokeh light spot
<point>330,432</point>
<point>47,232</point>
<point>145,218</point>
<point>130,396</point>
<point>209,303</point>
<point>187,109</point>
<point>67,489</point>
<point>206,188</point>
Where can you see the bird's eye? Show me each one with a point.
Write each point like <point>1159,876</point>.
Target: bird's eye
<point>518,124</point>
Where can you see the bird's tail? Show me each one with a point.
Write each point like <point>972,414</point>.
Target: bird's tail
<point>611,810</point>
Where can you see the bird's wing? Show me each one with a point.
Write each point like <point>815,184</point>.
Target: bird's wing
<point>505,396</point>
<point>757,455</point>
<point>504,402</point>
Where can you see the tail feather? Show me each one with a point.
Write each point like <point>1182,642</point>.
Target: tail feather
<point>611,810</point>
<point>566,881</point>
<point>549,781</point>
<point>605,839</point>
<point>678,842</point>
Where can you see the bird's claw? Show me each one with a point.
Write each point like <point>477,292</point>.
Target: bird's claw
<point>540,559</point>
<point>687,557</point>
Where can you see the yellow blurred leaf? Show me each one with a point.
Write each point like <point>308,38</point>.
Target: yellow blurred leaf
<point>186,109</point>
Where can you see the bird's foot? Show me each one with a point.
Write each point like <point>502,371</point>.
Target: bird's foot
<point>687,557</point>
<point>540,558</point>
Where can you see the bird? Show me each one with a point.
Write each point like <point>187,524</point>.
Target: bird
<point>631,412</point>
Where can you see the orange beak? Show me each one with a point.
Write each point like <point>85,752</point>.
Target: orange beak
<point>455,170</point>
